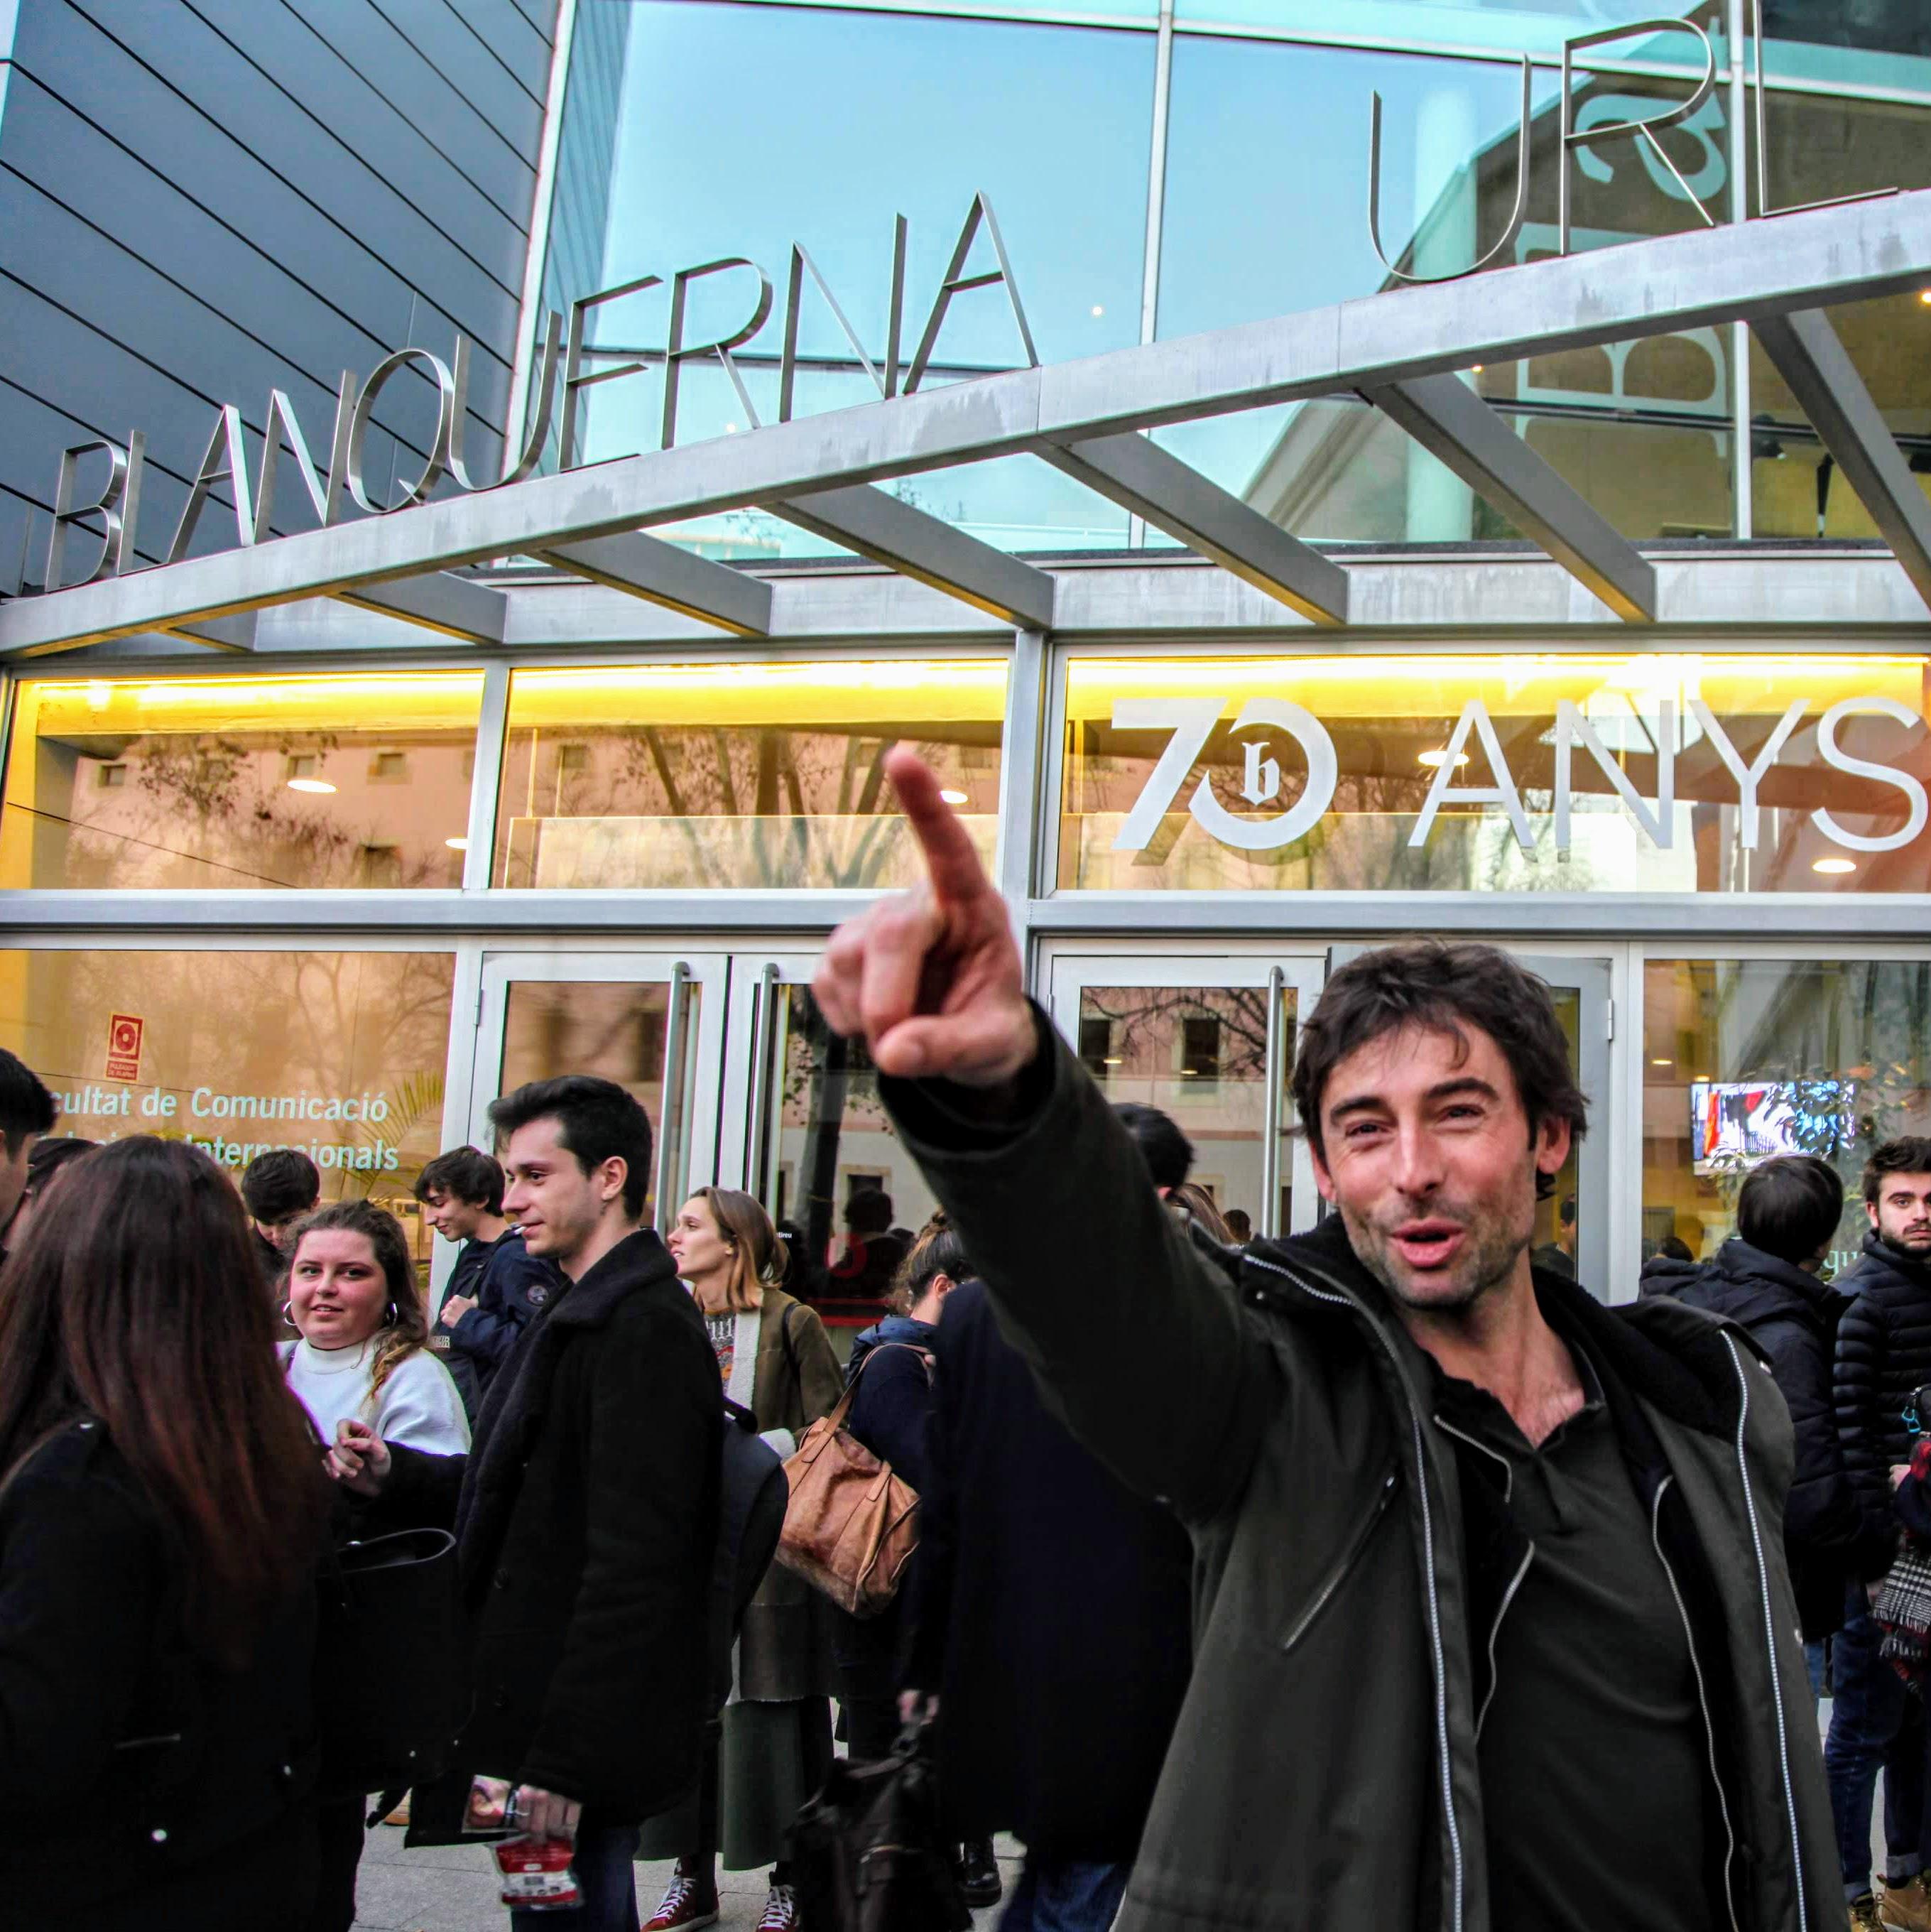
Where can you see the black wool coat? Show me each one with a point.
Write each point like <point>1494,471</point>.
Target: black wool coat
<point>1883,1353</point>
<point>1051,1610</point>
<point>587,1531</point>
<point>141,1785</point>
<point>1793,1317</point>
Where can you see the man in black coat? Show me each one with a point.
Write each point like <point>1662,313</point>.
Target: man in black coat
<point>587,1524</point>
<point>1883,1352</point>
<point>1764,1277</point>
<point>497,1286</point>
<point>1052,1612</point>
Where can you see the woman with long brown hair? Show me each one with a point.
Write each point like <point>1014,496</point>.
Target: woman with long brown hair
<point>163,1509</point>
<point>775,1360</point>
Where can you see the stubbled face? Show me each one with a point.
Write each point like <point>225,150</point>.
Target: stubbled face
<point>696,1244</point>
<point>558,1207</point>
<point>454,1220</point>
<point>1902,1212</point>
<point>337,1293</point>
<point>1428,1157</point>
<point>13,1174</point>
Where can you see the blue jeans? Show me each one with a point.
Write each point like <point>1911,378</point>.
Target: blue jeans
<point>1813,1664</point>
<point>1874,1720</point>
<point>1065,1895</point>
<point>606,1876</point>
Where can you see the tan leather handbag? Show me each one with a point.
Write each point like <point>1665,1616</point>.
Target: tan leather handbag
<point>851,1525</point>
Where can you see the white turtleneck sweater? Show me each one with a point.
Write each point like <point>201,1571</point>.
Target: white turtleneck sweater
<point>418,1406</point>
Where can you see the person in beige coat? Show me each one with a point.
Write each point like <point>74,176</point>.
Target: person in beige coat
<point>776,1361</point>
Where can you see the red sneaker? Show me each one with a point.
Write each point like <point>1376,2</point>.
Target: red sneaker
<point>688,1904</point>
<point>780,1911</point>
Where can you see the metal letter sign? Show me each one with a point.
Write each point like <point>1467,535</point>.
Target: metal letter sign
<point>1190,723</point>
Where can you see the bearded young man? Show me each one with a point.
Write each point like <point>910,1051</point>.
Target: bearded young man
<point>1494,1629</point>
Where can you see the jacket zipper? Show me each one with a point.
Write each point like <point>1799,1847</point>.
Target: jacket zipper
<point>1436,1650</point>
<point>1702,1699</point>
<point>1515,1581</point>
<point>1357,1544</point>
<point>1769,1636</point>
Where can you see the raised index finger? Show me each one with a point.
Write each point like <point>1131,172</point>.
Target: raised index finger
<point>951,861</point>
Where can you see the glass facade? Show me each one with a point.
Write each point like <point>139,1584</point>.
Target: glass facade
<point>696,132</point>
<point>200,784</point>
<point>1656,774</point>
<point>760,776</point>
<point>339,1054</point>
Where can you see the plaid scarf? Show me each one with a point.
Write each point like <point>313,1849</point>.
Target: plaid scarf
<point>1903,1607</point>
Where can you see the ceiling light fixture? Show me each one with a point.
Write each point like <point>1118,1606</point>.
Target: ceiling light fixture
<point>457,844</point>
<point>1099,308</point>
<point>1662,1062</point>
<point>1836,867</point>
<point>309,784</point>
<point>1435,759</point>
<point>953,796</point>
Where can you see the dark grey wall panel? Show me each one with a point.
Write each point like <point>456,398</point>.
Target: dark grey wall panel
<point>508,34</point>
<point>201,199</point>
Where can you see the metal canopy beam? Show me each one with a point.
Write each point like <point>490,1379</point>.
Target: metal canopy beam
<point>878,526</point>
<point>441,602</point>
<point>1810,357</point>
<point>1174,497</point>
<point>1744,271</point>
<point>660,573</point>
<point>1454,424</point>
<point>221,633</point>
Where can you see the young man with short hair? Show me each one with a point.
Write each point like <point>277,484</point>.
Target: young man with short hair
<point>27,1111</point>
<point>1883,1355</point>
<point>496,1286</point>
<point>279,1187</point>
<point>1494,1629</point>
<point>587,1523</point>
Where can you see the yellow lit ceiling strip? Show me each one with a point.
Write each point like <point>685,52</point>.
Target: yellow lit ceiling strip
<point>128,707</point>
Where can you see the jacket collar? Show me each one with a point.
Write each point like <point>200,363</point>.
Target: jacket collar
<point>639,1260</point>
<point>1670,1356</point>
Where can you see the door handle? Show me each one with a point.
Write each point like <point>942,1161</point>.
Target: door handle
<point>1270,1116</point>
<point>670,1128</point>
<point>764,1038</point>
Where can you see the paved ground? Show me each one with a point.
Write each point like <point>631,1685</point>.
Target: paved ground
<point>453,1889</point>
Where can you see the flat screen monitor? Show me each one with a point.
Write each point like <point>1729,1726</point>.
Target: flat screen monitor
<point>1735,1123</point>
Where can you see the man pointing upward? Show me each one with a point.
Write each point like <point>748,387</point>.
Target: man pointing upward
<point>1494,1629</point>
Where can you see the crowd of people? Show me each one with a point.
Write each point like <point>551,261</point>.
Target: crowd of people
<point>1383,1575</point>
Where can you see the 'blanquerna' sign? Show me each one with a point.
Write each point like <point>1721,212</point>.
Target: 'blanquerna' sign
<point>563,365</point>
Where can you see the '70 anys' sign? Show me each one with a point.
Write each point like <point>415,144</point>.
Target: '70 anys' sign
<point>1192,721</point>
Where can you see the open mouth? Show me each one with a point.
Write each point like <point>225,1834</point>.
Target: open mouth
<point>1427,1245</point>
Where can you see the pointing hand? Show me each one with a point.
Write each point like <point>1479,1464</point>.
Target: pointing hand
<point>930,980</point>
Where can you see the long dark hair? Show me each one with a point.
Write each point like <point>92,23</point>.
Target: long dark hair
<point>136,1300</point>
<point>405,1327</point>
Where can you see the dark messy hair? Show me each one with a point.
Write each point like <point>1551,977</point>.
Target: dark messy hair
<point>938,1250</point>
<point>1167,1152</point>
<point>136,1301</point>
<point>1443,988</point>
<point>1790,1206</point>
<point>26,1107</point>
<point>596,1120</point>
<point>869,1211</point>
<point>279,1183</point>
<point>464,1174</point>
<point>1909,1154</point>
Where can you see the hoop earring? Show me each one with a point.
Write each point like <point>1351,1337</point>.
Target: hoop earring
<point>394,1316</point>
<point>288,1313</point>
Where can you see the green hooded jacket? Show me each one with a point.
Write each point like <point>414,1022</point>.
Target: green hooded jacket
<point>1351,1564</point>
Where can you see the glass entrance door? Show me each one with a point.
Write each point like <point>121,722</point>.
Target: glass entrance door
<point>654,1022</point>
<point>1573,1224</point>
<point>1209,1042</point>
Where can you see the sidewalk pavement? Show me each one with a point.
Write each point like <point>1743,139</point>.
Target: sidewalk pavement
<point>453,1889</point>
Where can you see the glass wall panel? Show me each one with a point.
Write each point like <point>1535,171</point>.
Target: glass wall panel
<point>1267,214</point>
<point>195,783</point>
<point>1745,1059</point>
<point>1499,26</point>
<point>758,776</point>
<point>339,1054</point>
<point>1683,774</point>
<point>737,131</point>
<point>1819,148</point>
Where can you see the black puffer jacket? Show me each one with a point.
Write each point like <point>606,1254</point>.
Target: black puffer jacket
<point>1793,1317</point>
<point>1883,1352</point>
